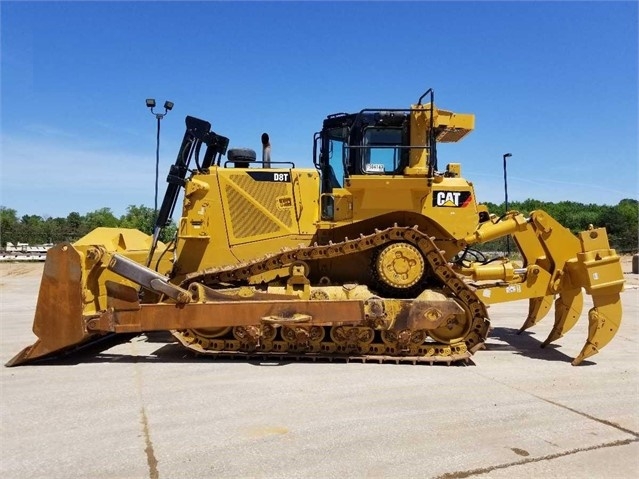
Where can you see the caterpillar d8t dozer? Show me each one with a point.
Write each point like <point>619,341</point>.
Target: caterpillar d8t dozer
<point>367,255</point>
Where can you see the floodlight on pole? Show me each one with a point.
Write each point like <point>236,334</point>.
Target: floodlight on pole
<point>168,106</point>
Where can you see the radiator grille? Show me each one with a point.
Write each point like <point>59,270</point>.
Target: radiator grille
<point>246,219</point>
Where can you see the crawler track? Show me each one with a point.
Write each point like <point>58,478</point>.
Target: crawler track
<point>364,341</point>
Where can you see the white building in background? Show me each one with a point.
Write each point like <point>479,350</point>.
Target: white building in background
<point>25,252</point>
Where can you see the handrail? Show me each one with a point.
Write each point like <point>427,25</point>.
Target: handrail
<point>260,162</point>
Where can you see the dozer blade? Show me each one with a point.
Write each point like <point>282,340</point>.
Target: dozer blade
<point>537,310</point>
<point>568,307</point>
<point>58,322</point>
<point>603,322</point>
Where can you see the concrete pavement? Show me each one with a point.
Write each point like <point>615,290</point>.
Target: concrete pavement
<point>149,409</point>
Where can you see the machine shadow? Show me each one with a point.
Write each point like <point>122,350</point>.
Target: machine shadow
<point>171,351</point>
<point>525,344</point>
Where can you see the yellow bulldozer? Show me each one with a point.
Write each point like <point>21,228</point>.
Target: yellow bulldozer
<point>369,255</point>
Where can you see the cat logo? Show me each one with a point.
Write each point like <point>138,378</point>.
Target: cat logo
<point>452,199</point>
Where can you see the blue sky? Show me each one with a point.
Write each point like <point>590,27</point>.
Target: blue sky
<point>553,83</point>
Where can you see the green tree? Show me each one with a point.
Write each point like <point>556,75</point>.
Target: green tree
<point>168,233</point>
<point>9,225</point>
<point>75,225</point>
<point>139,217</point>
<point>143,218</point>
<point>622,223</point>
<point>32,229</point>
<point>57,230</point>
<point>100,217</point>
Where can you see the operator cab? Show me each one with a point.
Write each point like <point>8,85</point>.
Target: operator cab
<point>400,143</point>
<point>370,142</point>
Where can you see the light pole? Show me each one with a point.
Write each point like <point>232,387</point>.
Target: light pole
<point>168,106</point>
<point>506,155</point>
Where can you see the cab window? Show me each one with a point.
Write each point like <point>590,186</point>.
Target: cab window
<point>337,155</point>
<point>381,154</point>
<point>335,160</point>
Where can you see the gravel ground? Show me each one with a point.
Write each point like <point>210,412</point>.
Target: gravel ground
<point>148,409</point>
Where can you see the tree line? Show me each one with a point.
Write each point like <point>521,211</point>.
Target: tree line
<point>34,229</point>
<point>621,221</point>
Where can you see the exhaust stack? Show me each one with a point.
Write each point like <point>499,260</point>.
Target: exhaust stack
<point>266,151</point>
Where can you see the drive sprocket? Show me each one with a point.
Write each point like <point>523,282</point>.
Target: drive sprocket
<point>399,267</point>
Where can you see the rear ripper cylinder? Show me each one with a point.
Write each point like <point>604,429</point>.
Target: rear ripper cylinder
<point>491,231</point>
